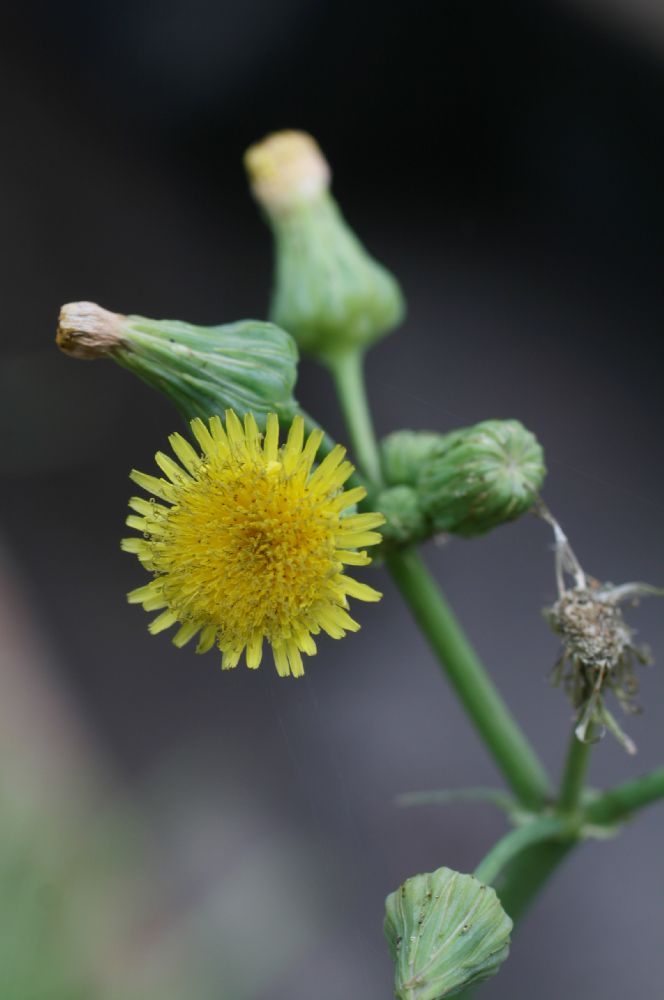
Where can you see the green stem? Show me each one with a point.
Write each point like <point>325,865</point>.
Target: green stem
<point>623,800</point>
<point>347,372</point>
<point>514,842</point>
<point>574,775</point>
<point>525,877</point>
<point>492,718</point>
<point>527,874</point>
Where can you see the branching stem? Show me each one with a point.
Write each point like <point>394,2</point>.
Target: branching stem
<point>574,775</point>
<point>493,720</point>
<point>514,842</point>
<point>347,372</point>
<point>623,800</point>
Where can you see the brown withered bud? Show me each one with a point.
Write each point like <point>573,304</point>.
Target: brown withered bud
<point>87,331</point>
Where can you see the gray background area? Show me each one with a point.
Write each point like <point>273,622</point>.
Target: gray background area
<point>506,163</point>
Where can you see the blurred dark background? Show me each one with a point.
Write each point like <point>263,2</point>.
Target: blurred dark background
<point>506,162</point>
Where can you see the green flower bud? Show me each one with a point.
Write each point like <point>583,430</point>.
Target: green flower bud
<point>329,293</point>
<point>405,521</point>
<point>247,366</point>
<point>483,476</point>
<point>445,931</point>
<point>403,452</point>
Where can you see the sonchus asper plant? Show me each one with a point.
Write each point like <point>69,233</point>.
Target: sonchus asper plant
<point>249,537</point>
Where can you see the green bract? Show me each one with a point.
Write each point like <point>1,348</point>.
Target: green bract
<point>405,521</point>
<point>445,931</point>
<point>483,476</point>
<point>403,452</point>
<point>247,366</point>
<point>329,293</point>
<point>469,480</point>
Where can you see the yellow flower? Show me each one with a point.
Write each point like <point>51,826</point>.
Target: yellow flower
<point>249,544</point>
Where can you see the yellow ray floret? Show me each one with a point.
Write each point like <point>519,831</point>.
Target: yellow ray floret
<point>247,541</point>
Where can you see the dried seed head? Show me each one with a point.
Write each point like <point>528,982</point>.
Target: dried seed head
<point>592,628</point>
<point>598,651</point>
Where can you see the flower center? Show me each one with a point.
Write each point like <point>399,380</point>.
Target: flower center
<point>248,552</point>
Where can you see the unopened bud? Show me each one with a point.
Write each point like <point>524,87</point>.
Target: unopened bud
<point>481,477</point>
<point>403,452</point>
<point>247,366</point>
<point>286,170</point>
<point>446,931</point>
<point>329,293</point>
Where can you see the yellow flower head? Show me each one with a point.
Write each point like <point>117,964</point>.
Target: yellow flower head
<point>248,543</point>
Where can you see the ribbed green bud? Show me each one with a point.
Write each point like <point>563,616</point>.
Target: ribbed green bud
<point>247,366</point>
<point>485,475</point>
<point>329,293</point>
<point>403,452</point>
<point>405,520</point>
<point>446,931</point>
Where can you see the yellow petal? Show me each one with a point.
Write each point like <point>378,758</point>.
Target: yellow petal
<point>206,640</point>
<point>308,453</point>
<point>353,558</point>
<point>171,469</point>
<point>190,460</point>
<point>344,620</point>
<point>254,652</point>
<point>203,436</point>
<point>230,658</point>
<point>306,643</point>
<point>234,429</point>
<point>159,487</point>
<point>290,452</point>
<point>327,466</point>
<point>356,539</point>
<point>219,435</point>
<point>281,660</point>
<point>141,594</point>
<point>251,433</point>
<point>135,545</point>
<point>271,443</point>
<point>349,498</point>
<point>363,522</point>
<point>185,633</point>
<point>362,591</point>
<point>162,621</point>
<point>295,660</point>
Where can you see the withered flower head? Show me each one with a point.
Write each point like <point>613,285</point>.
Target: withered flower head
<point>598,650</point>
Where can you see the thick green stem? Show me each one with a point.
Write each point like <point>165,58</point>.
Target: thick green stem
<point>524,878</point>
<point>509,747</point>
<point>574,775</point>
<point>623,800</point>
<point>348,378</point>
<point>493,720</point>
<point>514,842</point>
<point>527,874</point>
